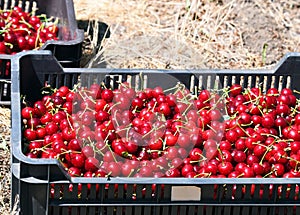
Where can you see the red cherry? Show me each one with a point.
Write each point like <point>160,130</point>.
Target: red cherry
<point>248,172</point>
<point>107,95</point>
<point>268,122</point>
<point>77,160</point>
<point>235,90</point>
<point>27,112</point>
<point>196,154</point>
<point>74,171</point>
<point>173,172</point>
<point>204,95</point>
<point>30,134</point>
<point>225,168</point>
<point>278,169</point>
<point>91,164</point>
<point>239,156</point>
<point>231,136</point>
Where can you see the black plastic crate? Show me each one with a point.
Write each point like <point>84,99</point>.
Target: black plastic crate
<point>5,81</point>
<point>67,50</point>
<point>33,179</point>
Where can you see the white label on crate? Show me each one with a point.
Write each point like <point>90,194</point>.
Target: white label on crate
<point>184,193</point>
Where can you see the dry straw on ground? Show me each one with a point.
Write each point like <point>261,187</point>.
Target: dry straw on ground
<point>194,33</point>
<point>4,160</point>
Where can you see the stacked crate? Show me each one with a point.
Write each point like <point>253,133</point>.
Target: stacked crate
<point>43,185</point>
<point>67,49</point>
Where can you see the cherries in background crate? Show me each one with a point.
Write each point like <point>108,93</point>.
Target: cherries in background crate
<point>21,31</point>
<point>232,132</point>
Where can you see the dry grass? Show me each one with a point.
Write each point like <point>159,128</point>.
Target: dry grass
<point>5,160</point>
<point>194,33</point>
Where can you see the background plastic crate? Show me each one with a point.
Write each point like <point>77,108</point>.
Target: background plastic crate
<point>32,179</point>
<point>67,50</point>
